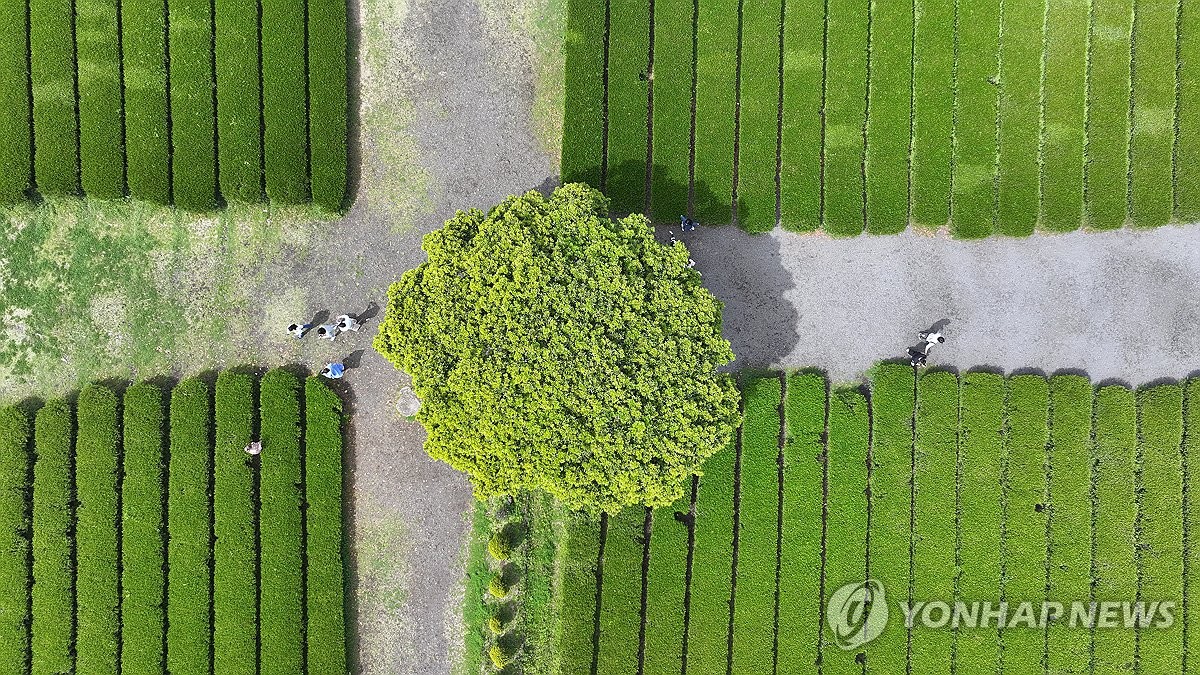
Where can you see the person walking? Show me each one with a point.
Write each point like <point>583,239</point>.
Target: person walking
<point>347,322</point>
<point>333,371</point>
<point>931,339</point>
<point>299,329</point>
<point>328,331</point>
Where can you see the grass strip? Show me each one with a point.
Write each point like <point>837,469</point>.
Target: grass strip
<point>1018,189</point>
<point>1191,506</point>
<point>15,572</point>
<point>758,521</point>
<point>889,110</point>
<point>716,89</point>
<point>285,140</point>
<point>476,609</point>
<point>666,583</point>
<point>97,599</point>
<point>621,604</point>
<point>712,566</point>
<point>1070,514</point>
<point>281,526</point>
<point>1024,544</point>
<point>189,520</point>
<point>192,118</point>
<point>326,629</point>
<point>803,503</point>
<point>933,111</point>
<point>235,625</point>
<point>142,533</point>
<point>977,86</point>
<point>1153,136</point>
<point>239,152</point>
<point>759,125</point>
<point>981,452</point>
<point>583,92</point>
<point>1064,113</point>
<point>582,546</point>
<point>845,113</point>
<point>1114,515</point>
<point>670,176</point>
<point>892,405</point>
<point>16,140</point>
<point>1107,170</point>
<point>628,71</point>
<point>846,506</point>
<point>101,148</point>
<point>53,569</point>
<point>934,461</point>
<point>147,139</point>
<point>52,69</point>
<point>1187,149</point>
<point>800,139</point>
<point>1160,546</point>
<point>328,102</point>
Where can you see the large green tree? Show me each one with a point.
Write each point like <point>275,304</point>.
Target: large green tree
<point>554,348</point>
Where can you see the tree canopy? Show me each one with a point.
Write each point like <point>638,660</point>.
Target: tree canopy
<point>555,348</point>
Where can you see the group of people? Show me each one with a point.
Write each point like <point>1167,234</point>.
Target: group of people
<point>328,331</point>
<point>685,225</point>
<point>920,356</point>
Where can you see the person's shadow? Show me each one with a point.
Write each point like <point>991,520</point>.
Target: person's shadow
<point>937,327</point>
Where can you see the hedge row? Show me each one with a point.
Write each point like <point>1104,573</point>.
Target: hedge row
<point>716,88</point>
<point>800,137</point>
<point>757,533</point>
<point>326,628</point>
<point>96,531</point>
<point>328,102</point>
<point>281,619</point>
<point>628,70</point>
<point>1153,134</point>
<point>1107,171</point>
<point>1064,115</point>
<point>285,138</point>
<point>239,127</point>
<point>933,120</point>
<point>621,593</point>
<point>666,581</point>
<point>53,636</point>
<point>1070,512</point>
<point>583,87</point>
<point>580,544</point>
<point>670,171</point>
<point>147,139</point>
<point>1017,189</point>
<point>1191,464</point>
<point>15,522</point>
<point>101,148</point>
<point>15,131</point>
<point>846,508</point>
<point>973,199</point>
<point>1160,529</point>
<point>800,547</point>
<point>1116,507</point>
<point>981,455</point>
<point>845,114</point>
<point>193,128</point>
<point>189,520</point>
<point>142,533</point>
<point>934,457</point>
<point>55,125</point>
<point>1024,546</point>
<point>758,114</point>
<point>1187,149</point>
<point>889,110</point>
<point>711,589</point>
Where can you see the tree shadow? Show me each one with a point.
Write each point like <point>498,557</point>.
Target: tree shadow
<point>669,199</point>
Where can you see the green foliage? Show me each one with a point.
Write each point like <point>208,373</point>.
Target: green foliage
<point>800,139</point>
<point>496,625</point>
<point>147,153</point>
<point>235,628</point>
<point>672,110</point>
<point>328,102</point>
<point>499,547</point>
<point>142,533</point>
<point>977,95</point>
<point>1191,464</point>
<point>934,456</point>
<point>716,87</point>
<point>15,573</point>
<point>55,125</point>
<point>15,131</point>
<point>326,628</point>
<point>189,519</point>
<point>845,114</point>
<point>237,79</point>
<point>497,587</point>
<point>285,145</point>
<point>281,527</point>
<point>1064,90</point>
<point>192,118</point>
<point>1153,134</point>
<point>1187,148</point>
<point>583,86</point>
<point>516,317</point>
<point>499,656</point>
<point>53,572</point>
<point>1017,190</point>
<point>759,114</point>
<point>628,65</point>
<point>101,149</point>
<point>1107,169</point>
<point>846,508</point>
<point>889,110</point>
<point>933,122</point>
<point>1116,507</point>
<point>621,601</point>
<point>96,477</point>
